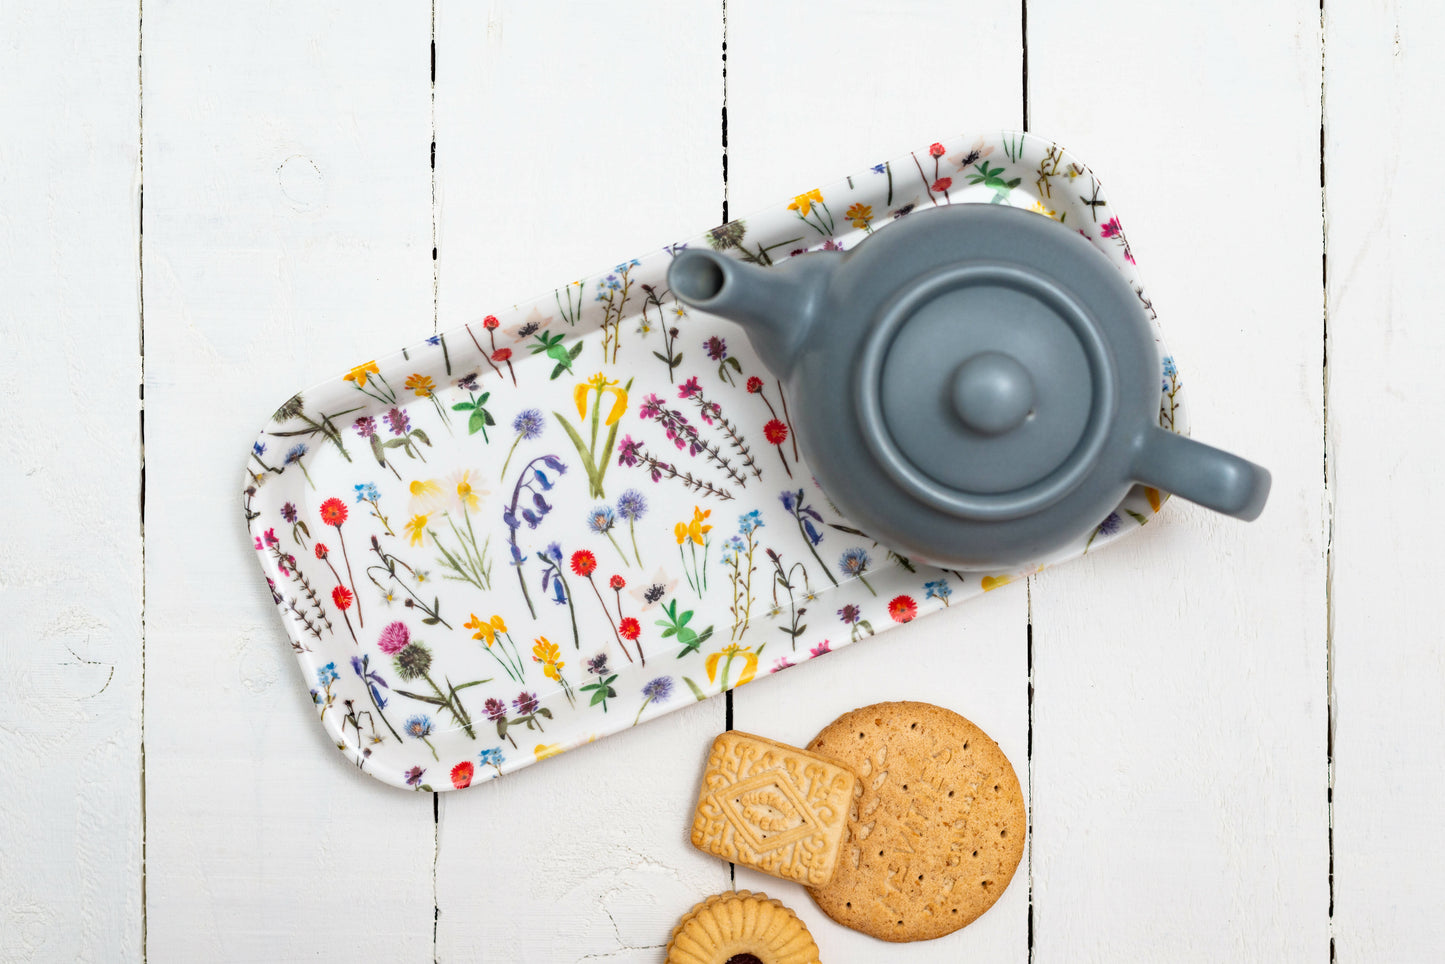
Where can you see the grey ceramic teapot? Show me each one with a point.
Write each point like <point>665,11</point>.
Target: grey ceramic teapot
<point>975,386</point>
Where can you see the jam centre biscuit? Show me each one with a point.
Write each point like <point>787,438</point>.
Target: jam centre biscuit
<point>937,830</point>
<point>740,927</point>
<point>773,807</point>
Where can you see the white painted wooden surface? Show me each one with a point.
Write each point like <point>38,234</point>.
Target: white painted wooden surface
<point>1177,747</point>
<point>1386,344</point>
<point>70,531</point>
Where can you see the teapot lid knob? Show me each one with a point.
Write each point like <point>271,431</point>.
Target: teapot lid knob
<point>992,393</point>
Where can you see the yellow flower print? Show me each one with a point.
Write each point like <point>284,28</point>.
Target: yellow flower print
<point>1039,208</point>
<point>486,630</point>
<point>546,653</point>
<point>803,203</point>
<point>464,490</point>
<point>545,750</point>
<point>860,215</point>
<point>991,583</point>
<point>601,385</point>
<point>426,496</point>
<point>360,373</point>
<point>695,529</point>
<point>416,529</point>
<point>421,384</point>
<point>726,656</point>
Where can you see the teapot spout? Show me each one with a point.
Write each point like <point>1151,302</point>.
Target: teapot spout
<point>776,305</point>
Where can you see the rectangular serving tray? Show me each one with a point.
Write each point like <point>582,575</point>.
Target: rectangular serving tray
<point>585,511</point>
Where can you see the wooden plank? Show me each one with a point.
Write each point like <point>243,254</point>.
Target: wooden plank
<point>287,236</point>
<point>1385,345</point>
<point>70,666</point>
<point>1179,760</point>
<point>566,144</point>
<point>818,92</point>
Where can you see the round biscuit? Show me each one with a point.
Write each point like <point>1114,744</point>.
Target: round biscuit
<point>937,825</point>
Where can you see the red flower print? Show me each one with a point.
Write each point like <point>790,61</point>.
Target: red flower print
<point>584,563</point>
<point>393,638</point>
<point>820,649</point>
<point>462,775</point>
<point>491,322</point>
<point>501,355</point>
<point>617,582</point>
<point>333,512</point>
<point>936,150</point>
<point>321,550</point>
<point>629,628</point>
<point>755,384</point>
<point>1110,228</point>
<point>342,597</point>
<point>902,608</point>
<point>942,184</point>
<point>775,432</point>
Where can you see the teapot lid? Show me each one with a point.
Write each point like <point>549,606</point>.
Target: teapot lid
<point>987,387</point>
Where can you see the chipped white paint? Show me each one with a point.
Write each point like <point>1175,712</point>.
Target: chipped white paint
<point>1178,772</point>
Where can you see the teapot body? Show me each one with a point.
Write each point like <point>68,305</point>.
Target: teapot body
<point>826,373</point>
<point>975,386</point>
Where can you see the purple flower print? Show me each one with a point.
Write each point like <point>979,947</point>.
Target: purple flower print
<point>398,420</point>
<point>394,638</point>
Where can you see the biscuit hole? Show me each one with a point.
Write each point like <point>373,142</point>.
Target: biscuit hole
<point>975,853</point>
<point>1003,833</point>
<point>900,923</point>
<point>905,786</point>
<point>880,853</point>
<point>860,736</point>
<point>950,793</point>
<point>920,876</point>
<point>914,726</point>
<point>985,884</point>
<point>848,904</point>
<point>995,787</point>
<point>965,744</point>
<point>955,910</point>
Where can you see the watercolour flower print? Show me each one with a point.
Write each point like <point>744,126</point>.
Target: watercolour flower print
<point>572,516</point>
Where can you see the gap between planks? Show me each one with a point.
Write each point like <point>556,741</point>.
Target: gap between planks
<point>1329,489</point>
<point>141,446</point>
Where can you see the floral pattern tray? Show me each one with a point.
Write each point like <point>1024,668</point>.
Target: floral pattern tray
<point>579,513</point>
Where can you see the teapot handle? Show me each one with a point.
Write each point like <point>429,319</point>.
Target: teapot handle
<point>1201,473</point>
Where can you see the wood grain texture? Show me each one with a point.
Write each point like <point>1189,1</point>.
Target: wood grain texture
<point>70,584</point>
<point>566,143</point>
<point>287,236</point>
<point>1180,708</point>
<point>805,107</point>
<point>1386,346</point>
